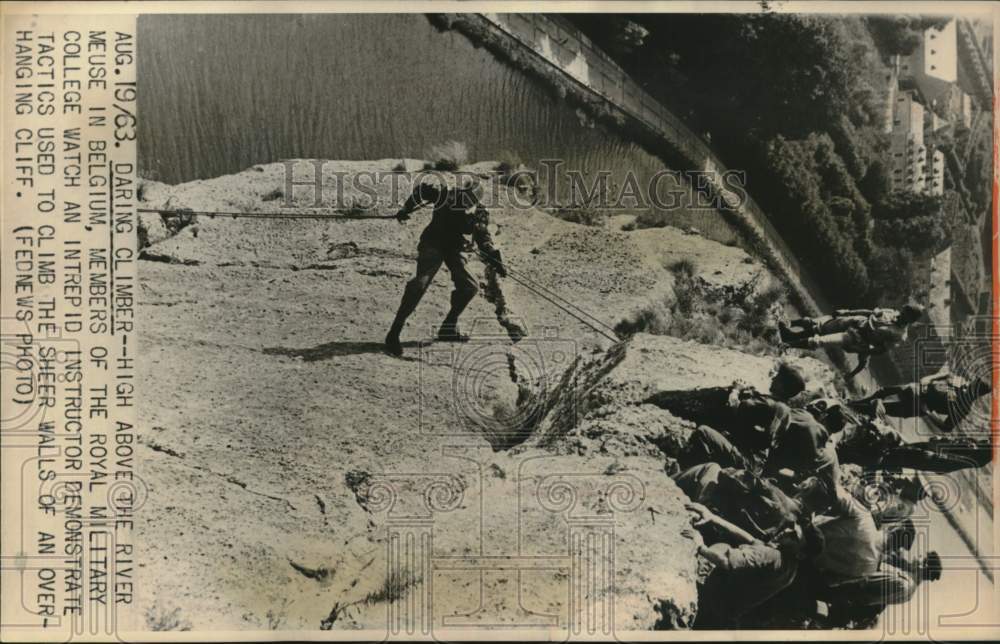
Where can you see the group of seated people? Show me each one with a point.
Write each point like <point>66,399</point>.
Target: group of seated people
<point>782,530</point>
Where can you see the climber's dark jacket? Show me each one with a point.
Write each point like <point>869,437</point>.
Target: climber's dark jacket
<point>457,213</point>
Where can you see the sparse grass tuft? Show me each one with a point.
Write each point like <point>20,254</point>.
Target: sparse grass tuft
<point>445,165</point>
<point>448,156</point>
<point>510,427</point>
<point>274,195</point>
<point>684,268</point>
<point>738,318</point>
<point>276,618</point>
<point>159,618</point>
<point>583,215</point>
<point>509,164</point>
<point>393,588</point>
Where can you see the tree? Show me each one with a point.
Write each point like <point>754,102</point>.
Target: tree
<point>893,275</point>
<point>903,204</point>
<point>876,184</point>
<point>895,34</point>
<point>917,222</point>
<point>922,234</point>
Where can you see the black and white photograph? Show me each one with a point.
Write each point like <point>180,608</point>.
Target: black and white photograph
<point>462,320</point>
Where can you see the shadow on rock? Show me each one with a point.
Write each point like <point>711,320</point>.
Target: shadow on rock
<point>334,349</point>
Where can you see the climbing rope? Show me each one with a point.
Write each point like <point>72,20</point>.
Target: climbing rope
<point>262,215</point>
<point>556,300</point>
<point>551,297</point>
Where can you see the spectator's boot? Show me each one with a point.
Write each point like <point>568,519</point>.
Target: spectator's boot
<point>797,330</point>
<point>785,332</point>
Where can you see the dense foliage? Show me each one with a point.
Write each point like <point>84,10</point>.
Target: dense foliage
<point>798,102</point>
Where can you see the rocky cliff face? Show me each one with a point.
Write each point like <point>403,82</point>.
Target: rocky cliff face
<point>300,478</point>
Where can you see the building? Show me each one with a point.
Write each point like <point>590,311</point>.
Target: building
<point>908,154</point>
<point>965,109</point>
<point>933,123</point>
<point>939,295</point>
<point>934,172</point>
<point>933,67</point>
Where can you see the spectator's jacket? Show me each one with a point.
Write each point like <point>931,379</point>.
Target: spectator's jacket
<point>738,496</point>
<point>887,585</point>
<point>941,394</point>
<point>877,328</point>
<point>854,545</point>
<point>750,575</point>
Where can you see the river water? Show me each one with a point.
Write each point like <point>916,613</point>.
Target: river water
<point>219,94</point>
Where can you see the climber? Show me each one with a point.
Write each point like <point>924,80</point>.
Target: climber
<point>940,455</point>
<point>865,332</point>
<point>718,406</point>
<point>942,394</point>
<point>457,213</point>
<point>787,382</point>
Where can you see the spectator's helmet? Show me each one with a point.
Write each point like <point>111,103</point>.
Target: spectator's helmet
<point>788,381</point>
<point>910,313</point>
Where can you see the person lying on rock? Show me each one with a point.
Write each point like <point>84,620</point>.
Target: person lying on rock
<point>946,397</point>
<point>939,454</point>
<point>457,214</point>
<point>865,332</point>
<point>854,548</point>
<point>866,440</point>
<point>748,501</point>
<point>891,497</point>
<point>748,574</point>
<point>791,444</point>
<point>862,438</point>
<point>792,439</point>
<point>895,581</point>
<point>719,407</point>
